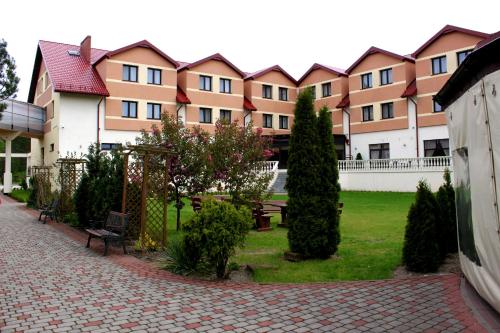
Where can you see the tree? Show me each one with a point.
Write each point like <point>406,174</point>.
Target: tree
<point>238,153</point>
<point>328,173</point>
<point>101,187</point>
<point>420,250</point>
<point>8,77</point>
<point>189,168</point>
<point>447,218</point>
<point>359,157</point>
<point>307,227</point>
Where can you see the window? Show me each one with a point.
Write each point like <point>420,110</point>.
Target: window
<point>267,120</point>
<point>46,81</point>
<point>439,65</point>
<point>267,91</point>
<point>225,86</point>
<point>283,94</point>
<point>326,88</point>
<point>366,81</point>
<point>462,55</point>
<point>205,115</point>
<point>154,76</point>
<point>110,146</point>
<point>51,147</point>
<point>129,73</point>
<point>225,115</point>
<point>385,76</point>
<point>129,109</point>
<point>437,107</point>
<point>154,111</point>
<point>367,112</point>
<point>283,122</point>
<point>313,91</point>
<point>205,83</point>
<point>379,151</point>
<point>387,110</point>
<point>439,147</point>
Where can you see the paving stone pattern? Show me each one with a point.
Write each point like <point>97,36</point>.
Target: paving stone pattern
<point>49,282</point>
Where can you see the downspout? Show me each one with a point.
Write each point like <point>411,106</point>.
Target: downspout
<point>98,121</point>
<point>349,129</point>
<point>416,124</point>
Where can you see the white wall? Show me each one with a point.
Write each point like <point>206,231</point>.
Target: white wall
<point>431,133</point>
<point>389,181</point>
<point>401,143</point>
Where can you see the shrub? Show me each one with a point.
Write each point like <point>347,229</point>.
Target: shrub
<point>420,250</point>
<point>447,218</point>
<point>24,185</point>
<point>178,259</point>
<point>215,232</point>
<point>359,157</point>
<point>101,186</point>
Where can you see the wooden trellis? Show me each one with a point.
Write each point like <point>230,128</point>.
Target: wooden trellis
<point>70,173</point>
<point>145,194</point>
<point>41,183</point>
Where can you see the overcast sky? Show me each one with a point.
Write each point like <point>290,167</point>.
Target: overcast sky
<point>252,34</point>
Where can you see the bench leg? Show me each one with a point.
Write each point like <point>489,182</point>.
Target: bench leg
<point>88,242</point>
<point>45,219</point>
<point>40,217</point>
<point>106,245</point>
<point>124,247</point>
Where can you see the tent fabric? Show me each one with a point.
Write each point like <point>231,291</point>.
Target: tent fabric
<point>473,120</point>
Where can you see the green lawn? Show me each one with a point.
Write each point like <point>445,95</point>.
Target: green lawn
<point>372,231</point>
<point>20,195</point>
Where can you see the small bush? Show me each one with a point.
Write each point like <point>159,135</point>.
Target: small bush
<point>24,185</point>
<point>420,250</point>
<point>447,218</point>
<point>72,219</point>
<point>359,157</point>
<point>214,233</point>
<point>178,260</point>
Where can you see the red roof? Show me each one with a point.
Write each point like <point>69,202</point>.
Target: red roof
<point>143,43</point>
<point>373,50</point>
<point>252,76</point>
<point>411,90</point>
<point>217,57</point>
<point>247,105</point>
<point>181,97</point>
<point>488,40</point>
<point>68,73</point>
<point>447,29</point>
<point>345,102</point>
<point>315,66</point>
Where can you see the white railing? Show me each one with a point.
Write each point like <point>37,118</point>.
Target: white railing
<point>269,166</point>
<point>397,164</point>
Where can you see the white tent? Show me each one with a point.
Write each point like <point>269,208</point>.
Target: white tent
<point>471,99</point>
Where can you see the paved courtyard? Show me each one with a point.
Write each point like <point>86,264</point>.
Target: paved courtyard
<point>49,282</point>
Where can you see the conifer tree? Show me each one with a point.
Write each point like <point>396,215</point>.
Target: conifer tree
<point>8,77</point>
<point>307,230</point>
<point>447,218</point>
<point>420,250</point>
<point>328,173</point>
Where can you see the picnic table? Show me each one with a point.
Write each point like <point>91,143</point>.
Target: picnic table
<point>281,206</point>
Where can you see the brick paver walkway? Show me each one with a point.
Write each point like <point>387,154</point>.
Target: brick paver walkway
<point>50,282</point>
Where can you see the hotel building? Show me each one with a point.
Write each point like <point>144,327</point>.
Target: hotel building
<point>381,106</point>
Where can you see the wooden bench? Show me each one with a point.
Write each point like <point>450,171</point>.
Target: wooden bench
<point>113,230</point>
<point>49,210</point>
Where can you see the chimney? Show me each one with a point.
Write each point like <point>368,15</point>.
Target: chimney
<point>85,48</point>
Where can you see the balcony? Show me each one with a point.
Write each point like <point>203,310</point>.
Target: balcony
<point>22,117</point>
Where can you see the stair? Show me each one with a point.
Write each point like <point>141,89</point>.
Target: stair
<point>279,183</point>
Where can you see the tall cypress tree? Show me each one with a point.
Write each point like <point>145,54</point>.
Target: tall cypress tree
<point>420,250</point>
<point>328,173</point>
<point>307,234</point>
<point>447,223</point>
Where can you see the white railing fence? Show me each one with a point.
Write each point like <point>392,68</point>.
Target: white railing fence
<point>397,164</point>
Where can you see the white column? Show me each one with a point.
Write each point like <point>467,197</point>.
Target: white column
<point>7,175</point>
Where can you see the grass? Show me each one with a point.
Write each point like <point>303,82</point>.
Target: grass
<point>20,195</point>
<point>372,231</point>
